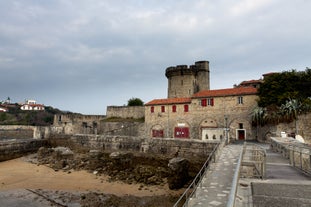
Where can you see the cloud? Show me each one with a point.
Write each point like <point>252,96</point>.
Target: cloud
<point>84,55</point>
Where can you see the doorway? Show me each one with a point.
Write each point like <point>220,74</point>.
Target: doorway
<point>241,134</point>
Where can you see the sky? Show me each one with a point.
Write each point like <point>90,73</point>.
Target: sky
<point>84,55</point>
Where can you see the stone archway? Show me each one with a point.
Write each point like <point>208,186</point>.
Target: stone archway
<point>157,131</point>
<point>240,129</point>
<point>210,130</point>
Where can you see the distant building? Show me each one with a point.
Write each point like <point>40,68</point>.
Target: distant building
<point>3,109</point>
<point>31,105</point>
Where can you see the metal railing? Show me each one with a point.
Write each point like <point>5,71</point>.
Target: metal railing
<point>300,157</point>
<point>190,191</point>
<point>235,181</point>
<point>254,156</point>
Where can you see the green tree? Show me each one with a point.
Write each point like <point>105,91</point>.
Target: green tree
<point>135,102</point>
<point>279,87</point>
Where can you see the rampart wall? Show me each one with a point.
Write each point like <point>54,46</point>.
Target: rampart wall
<point>16,131</point>
<point>135,112</point>
<point>173,147</point>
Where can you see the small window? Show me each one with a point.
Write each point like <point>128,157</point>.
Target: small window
<point>186,108</point>
<point>210,102</point>
<point>240,100</point>
<point>162,109</point>
<point>240,125</point>
<point>174,108</point>
<point>152,109</point>
<point>203,102</point>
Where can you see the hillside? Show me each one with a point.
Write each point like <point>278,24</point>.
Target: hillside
<point>16,116</point>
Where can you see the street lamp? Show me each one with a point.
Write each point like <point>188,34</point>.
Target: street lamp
<point>226,129</point>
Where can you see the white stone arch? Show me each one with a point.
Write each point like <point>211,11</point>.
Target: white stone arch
<point>211,130</point>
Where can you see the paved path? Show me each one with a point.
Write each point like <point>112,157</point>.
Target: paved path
<point>216,184</point>
<point>284,185</point>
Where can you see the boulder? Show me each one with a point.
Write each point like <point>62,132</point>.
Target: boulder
<point>179,172</point>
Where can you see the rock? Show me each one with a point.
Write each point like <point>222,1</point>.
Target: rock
<point>121,160</point>
<point>179,175</point>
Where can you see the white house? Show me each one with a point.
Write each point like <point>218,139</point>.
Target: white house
<point>3,109</point>
<point>31,105</point>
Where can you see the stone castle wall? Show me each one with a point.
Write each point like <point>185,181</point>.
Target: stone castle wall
<point>173,147</point>
<point>135,112</point>
<point>183,81</point>
<point>16,131</point>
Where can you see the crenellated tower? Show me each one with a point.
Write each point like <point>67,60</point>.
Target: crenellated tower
<point>183,81</point>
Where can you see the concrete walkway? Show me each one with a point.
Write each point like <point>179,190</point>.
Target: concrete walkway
<point>285,186</point>
<point>216,184</point>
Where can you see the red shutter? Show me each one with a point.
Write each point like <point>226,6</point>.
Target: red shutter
<point>212,102</point>
<point>186,108</point>
<point>203,102</point>
<point>174,108</point>
<point>162,108</point>
<point>152,109</point>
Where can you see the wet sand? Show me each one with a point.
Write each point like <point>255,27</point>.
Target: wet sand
<point>20,174</point>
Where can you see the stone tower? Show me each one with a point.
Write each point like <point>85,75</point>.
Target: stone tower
<point>183,81</point>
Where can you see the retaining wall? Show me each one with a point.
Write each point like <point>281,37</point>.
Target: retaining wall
<point>15,148</point>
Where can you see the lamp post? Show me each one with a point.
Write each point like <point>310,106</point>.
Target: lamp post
<point>226,129</point>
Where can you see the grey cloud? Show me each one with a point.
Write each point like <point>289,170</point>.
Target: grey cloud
<point>84,55</point>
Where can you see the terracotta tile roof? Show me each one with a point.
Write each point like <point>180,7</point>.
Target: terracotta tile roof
<point>169,101</point>
<point>226,92</point>
<point>251,81</point>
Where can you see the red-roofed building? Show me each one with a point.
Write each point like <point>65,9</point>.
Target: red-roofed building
<point>3,109</point>
<point>31,105</point>
<point>208,115</point>
<point>203,116</point>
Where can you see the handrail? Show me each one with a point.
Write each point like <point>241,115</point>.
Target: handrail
<point>256,155</point>
<point>235,180</point>
<point>188,193</point>
<point>300,157</point>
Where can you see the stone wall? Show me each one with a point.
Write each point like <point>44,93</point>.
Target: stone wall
<point>77,123</point>
<point>16,131</point>
<point>122,128</point>
<point>17,148</point>
<point>135,112</point>
<point>172,147</point>
<point>303,128</point>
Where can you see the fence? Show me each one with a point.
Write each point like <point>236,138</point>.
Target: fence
<point>300,157</point>
<point>254,161</point>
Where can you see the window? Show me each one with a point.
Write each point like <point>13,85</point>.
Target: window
<point>174,108</point>
<point>186,108</point>
<point>240,100</point>
<point>152,109</point>
<point>162,109</point>
<point>203,102</point>
<point>210,102</point>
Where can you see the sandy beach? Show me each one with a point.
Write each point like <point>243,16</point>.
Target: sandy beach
<point>20,174</point>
